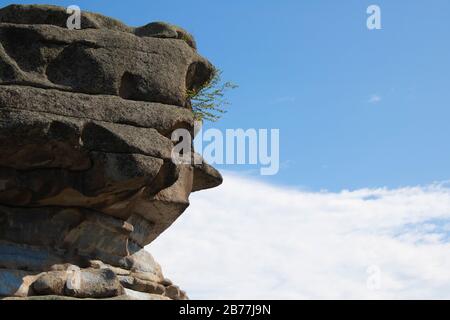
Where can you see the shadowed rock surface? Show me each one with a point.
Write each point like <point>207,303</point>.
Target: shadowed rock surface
<point>86,176</point>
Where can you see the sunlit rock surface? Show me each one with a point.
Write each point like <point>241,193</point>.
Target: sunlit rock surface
<point>86,177</point>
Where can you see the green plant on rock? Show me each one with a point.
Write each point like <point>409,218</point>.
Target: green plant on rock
<point>209,102</point>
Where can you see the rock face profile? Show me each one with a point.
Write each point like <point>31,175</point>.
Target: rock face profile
<point>86,176</point>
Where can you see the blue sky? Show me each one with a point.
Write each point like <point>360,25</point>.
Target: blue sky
<point>355,108</point>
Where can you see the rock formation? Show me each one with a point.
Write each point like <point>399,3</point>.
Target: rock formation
<point>86,176</point>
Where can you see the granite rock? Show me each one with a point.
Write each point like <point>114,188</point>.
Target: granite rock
<point>86,174</point>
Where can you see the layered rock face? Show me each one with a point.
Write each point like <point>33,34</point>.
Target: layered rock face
<point>86,176</point>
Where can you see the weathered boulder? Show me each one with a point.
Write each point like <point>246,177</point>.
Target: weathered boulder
<point>93,283</point>
<point>57,16</point>
<point>205,177</point>
<point>86,172</point>
<point>50,283</point>
<point>99,61</point>
<point>137,284</point>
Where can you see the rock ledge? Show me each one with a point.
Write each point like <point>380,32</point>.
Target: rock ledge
<point>86,177</point>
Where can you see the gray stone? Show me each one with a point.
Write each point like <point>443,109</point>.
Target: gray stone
<point>57,16</point>
<point>86,175</point>
<point>136,295</point>
<point>113,178</point>
<point>137,284</point>
<point>103,108</point>
<point>206,177</point>
<point>148,286</point>
<point>51,283</point>
<point>143,266</point>
<point>40,298</point>
<point>101,62</point>
<point>164,30</point>
<point>157,30</point>
<point>70,136</point>
<point>97,264</point>
<point>35,227</point>
<point>166,282</point>
<point>94,283</point>
<point>173,292</point>
<point>31,140</point>
<point>116,138</point>
<point>173,201</point>
<point>183,295</point>
<point>131,295</point>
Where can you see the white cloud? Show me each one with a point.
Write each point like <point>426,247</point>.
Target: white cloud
<point>375,99</point>
<point>249,240</point>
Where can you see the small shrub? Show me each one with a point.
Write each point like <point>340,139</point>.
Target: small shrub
<point>209,103</point>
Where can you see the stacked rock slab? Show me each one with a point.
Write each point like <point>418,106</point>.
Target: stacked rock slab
<point>86,177</point>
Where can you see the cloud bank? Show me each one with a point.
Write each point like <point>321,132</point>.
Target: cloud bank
<point>250,240</point>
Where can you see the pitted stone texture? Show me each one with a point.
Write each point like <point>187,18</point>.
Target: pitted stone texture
<point>92,283</point>
<point>98,61</point>
<point>50,283</point>
<point>102,108</point>
<point>165,30</point>
<point>71,234</point>
<point>57,16</point>
<point>86,172</point>
<point>95,280</point>
<point>205,177</point>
